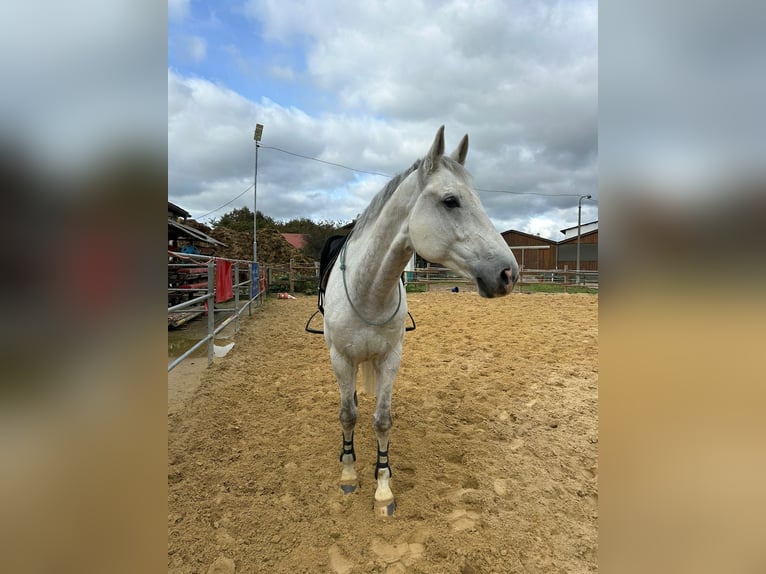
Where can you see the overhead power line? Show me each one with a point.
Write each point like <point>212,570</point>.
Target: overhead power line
<point>527,192</point>
<point>325,161</point>
<point>388,175</point>
<point>539,193</point>
<point>228,202</point>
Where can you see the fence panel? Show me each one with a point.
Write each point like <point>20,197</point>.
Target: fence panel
<point>565,278</point>
<point>292,278</point>
<point>432,276</point>
<point>192,291</point>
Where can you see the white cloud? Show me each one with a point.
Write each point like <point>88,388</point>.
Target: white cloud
<point>178,9</point>
<point>282,73</point>
<point>187,49</point>
<point>239,60</point>
<point>520,78</point>
<point>542,226</point>
<point>195,47</point>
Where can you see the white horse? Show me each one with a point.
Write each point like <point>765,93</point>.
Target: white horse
<point>430,209</point>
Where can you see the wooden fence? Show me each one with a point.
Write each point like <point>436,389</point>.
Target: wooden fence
<point>292,278</point>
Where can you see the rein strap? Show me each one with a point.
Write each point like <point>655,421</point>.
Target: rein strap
<point>330,262</point>
<point>348,296</point>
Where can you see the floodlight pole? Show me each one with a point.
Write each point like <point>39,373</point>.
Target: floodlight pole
<point>579,219</point>
<point>257,139</point>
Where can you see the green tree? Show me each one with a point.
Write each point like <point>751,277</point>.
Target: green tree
<point>301,225</point>
<point>316,237</point>
<point>241,219</point>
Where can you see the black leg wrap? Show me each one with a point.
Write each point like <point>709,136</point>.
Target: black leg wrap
<point>348,448</point>
<point>382,465</point>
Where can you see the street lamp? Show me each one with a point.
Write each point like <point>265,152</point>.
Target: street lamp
<point>257,140</point>
<point>579,218</point>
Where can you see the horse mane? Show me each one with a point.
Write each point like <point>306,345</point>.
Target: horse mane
<point>380,198</point>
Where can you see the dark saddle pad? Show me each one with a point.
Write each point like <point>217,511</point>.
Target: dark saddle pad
<point>330,251</point>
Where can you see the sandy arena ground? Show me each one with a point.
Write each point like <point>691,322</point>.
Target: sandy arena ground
<point>494,448</point>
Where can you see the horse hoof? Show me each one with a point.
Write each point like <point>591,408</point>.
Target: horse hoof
<point>349,487</point>
<point>384,507</point>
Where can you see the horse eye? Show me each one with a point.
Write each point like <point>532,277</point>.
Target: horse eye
<point>451,201</point>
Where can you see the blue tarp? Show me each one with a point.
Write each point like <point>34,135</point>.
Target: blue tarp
<point>256,284</point>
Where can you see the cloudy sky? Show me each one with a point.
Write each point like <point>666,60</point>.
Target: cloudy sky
<point>366,85</point>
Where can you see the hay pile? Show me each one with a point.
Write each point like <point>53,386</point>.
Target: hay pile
<point>273,249</point>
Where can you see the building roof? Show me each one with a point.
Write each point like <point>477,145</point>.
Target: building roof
<point>574,237</point>
<point>564,231</point>
<point>550,241</point>
<point>297,240</point>
<point>176,229</point>
<point>537,237</point>
<point>173,208</point>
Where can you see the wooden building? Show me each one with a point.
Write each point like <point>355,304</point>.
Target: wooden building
<point>531,251</point>
<point>567,252</point>
<point>176,213</point>
<point>587,227</point>
<point>186,239</point>
<point>535,252</point>
<point>182,236</point>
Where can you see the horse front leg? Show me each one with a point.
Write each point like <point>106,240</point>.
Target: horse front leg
<point>385,504</point>
<point>349,481</point>
<point>345,374</point>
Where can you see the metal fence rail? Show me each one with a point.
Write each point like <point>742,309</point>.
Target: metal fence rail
<point>563,277</point>
<point>294,278</point>
<point>566,278</point>
<point>205,302</point>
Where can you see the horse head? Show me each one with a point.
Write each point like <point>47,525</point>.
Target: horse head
<point>448,225</point>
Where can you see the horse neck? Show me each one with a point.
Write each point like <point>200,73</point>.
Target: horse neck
<point>380,253</point>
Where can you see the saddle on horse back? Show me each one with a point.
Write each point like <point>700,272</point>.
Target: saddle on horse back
<point>330,251</point>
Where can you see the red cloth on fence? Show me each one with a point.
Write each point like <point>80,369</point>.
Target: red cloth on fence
<point>224,289</point>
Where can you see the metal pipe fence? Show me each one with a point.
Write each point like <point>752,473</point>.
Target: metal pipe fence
<point>565,278</point>
<point>203,266</point>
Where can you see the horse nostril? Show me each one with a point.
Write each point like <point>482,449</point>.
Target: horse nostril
<point>509,277</point>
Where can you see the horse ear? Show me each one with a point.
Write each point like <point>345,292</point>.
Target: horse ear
<point>461,151</point>
<point>431,161</point>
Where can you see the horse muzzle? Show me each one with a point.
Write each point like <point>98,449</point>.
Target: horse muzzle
<point>496,284</point>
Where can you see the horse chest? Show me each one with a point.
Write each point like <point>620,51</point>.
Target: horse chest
<point>366,344</point>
